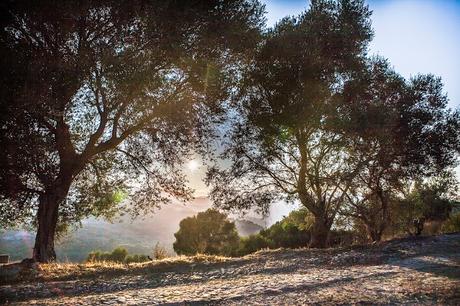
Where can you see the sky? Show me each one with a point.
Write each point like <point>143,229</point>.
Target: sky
<point>416,36</point>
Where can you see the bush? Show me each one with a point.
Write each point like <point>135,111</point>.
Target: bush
<point>452,224</point>
<point>208,232</point>
<point>293,231</point>
<point>427,202</point>
<point>119,255</point>
<point>252,244</point>
<point>136,258</point>
<point>159,252</point>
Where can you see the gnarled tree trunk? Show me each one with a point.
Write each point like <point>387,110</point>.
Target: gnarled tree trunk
<point>320,232</point>
<point>47,218</point>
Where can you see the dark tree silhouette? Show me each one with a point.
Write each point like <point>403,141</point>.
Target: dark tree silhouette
<point>425,201</point>
<point>208,232</point>
<point>399,130</point>
<point>322,124</point>
<point>288,143</point>
<point>104,99</point>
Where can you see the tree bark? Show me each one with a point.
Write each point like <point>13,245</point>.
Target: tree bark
<point>320,233</point>
<point>47,218</point>
<point>374,234</point>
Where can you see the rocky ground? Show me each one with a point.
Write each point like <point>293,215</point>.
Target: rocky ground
<point>411,271</point>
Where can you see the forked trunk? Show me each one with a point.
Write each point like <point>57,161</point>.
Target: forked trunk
<point>320,233</point>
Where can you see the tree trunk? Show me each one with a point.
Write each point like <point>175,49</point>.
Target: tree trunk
<point>320,233</point>
<point>47,218</point>
<point>374,234</point>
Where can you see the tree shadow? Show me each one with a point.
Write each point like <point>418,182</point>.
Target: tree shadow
<point>304,288</point>
<point>445,266</point>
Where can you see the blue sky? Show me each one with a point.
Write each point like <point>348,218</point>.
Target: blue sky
<point>417,36</point>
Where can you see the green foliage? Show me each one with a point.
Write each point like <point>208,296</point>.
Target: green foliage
<point>208,232</point>
<point>452,224</point>
<point>103,96</point>
<point>253,243</point>
<point>293,231</point>
<point>119,255</point>
<point>429,201</point>
<point>136,258</point>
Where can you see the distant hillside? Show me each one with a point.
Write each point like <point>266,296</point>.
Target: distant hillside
<point>246,227</point>
<point>139,236</point>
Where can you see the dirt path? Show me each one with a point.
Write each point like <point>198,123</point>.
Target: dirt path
<point>424,271</point>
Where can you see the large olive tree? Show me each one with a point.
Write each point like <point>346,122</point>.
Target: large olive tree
<point>102,100</point>
<point>400,130</point>
<point>288,141</point>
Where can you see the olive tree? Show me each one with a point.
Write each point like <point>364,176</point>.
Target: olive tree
<point>288,142</point>
<point>400,130</point>
<point>103,100</point>
<point>209,232</point>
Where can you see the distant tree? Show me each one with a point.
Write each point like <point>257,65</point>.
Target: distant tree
<point>208,232</point>
<point>117,255</point>
<point>432,200</point>
<point>102,100</point>
<point>288,143</point>
<point>293,231</point>
<point>399,130</point>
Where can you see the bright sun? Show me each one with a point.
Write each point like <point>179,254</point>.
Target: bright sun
<point>193,165</point>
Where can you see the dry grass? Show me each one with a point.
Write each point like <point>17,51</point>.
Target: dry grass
<point>62,271</point>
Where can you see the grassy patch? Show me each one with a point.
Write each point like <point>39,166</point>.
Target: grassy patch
<point>70,271</point>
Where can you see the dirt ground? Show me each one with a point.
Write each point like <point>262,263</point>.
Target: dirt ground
<point>422,271</point>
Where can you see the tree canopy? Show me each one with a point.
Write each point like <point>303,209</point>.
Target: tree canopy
<point>102,100</point>
<point>208,232</point>
<point>322,123</point>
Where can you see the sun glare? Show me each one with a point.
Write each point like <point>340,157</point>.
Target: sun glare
<point>193,165</point>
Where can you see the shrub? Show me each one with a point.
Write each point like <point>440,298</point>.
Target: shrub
<point>159,252</point>
<point>136,258</point>
<point>119,255</point>
<point>452,224</point>
<point>427,202</point>
<point>252,244</point>
<point>293,231</point>
<point>208,232</point>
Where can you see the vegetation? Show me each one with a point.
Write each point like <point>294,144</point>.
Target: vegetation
<point>94,94</point>
<point>452,224</point>
<point>321,123</point>
<point>103,101</point>
<point>293,231</point>
<point>425,202</point>
<point>92,270</point>
<point>118,255</point>
<point>208,232</point>
<point>159,252</point>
